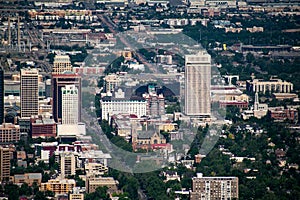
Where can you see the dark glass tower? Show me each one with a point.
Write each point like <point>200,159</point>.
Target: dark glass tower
<point>1,95</point>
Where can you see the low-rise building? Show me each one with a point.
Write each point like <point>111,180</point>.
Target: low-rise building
<point>28,178</point>
<point>92,184</point>
<point>9,133</point>
<point>58,186</point>
<point>112,107</point>
<point>42,127</point>
<point>147,140</point>
<point>272,85</point>
<point>281,114</point>
<point>95,169</point>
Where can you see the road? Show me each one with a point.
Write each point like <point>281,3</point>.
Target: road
<point>110,148</point>
<point>112,28</point>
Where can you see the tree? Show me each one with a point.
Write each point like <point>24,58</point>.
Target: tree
<point>249,57</point>
<point>25,190</point>
<point>99,194</point>
<point>40,196</point>
<point>12,191</point>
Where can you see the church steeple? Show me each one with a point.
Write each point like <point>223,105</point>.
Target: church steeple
<point>256,101</point>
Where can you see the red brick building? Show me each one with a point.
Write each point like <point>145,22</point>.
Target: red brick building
<point>42,128</point>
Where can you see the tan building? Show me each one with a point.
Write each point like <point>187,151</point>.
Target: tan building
<point>58,186</point>
<point>28,178</point>
<point>111,82</point>
<point>214,188</point>
<point>255,29</point>
<point>67,163</point>
<point>9,133</point>
<point>95,169</point>
<point>76,196</point>
<point>61,63</point>
<point>4,164</point>
<point>92,184</point>
<point>167,127</point>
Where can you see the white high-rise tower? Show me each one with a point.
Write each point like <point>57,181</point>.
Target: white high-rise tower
<point>197,85</point>
<point>70,96</point>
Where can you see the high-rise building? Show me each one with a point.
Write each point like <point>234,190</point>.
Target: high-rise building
<point>4,164</point>
<point>29,92</point>
<point>214,188</point>
<point>197,84</point>
<point>70,98</point>
<point>1,95</point>
<point>61,63</point>
<point>67,163</point>
<point>155,104</point>
<point>9,133</point>
<point>60,81</point>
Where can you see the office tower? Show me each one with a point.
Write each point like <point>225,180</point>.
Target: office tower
<point>1,95</point>
<point>197,84</point>
<point>4,164</point>
<point>214,188</point>
<point>112,81</point>
<point>61,63</point>
<point>29,92</point>
<point>70,98</point>
<point>60,81</point>
<point>67,163</point>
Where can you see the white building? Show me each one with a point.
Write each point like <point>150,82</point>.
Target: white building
<point>197,84</point>
<point>71,130</point>
<point>112,107</point>
<point>70,96</point>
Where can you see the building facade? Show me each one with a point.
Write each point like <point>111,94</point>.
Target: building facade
<point>4,164</point>
<point>29,92</point>
<point>1,95</point>
<point>58,186</point>
<point>197,84</point>
<point>155,104</point>
<point>61,63</point>
<point>272,85</point>
<point>214,188</point>
<point>67,163</point>
<point>60,81</point>
<point>70,103</point>
<point>42,127</point>
<point>112,107</point>
<point>28,178</point>
<point>92,184</point>
<point>111,82</point>
<point>9,133</point>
